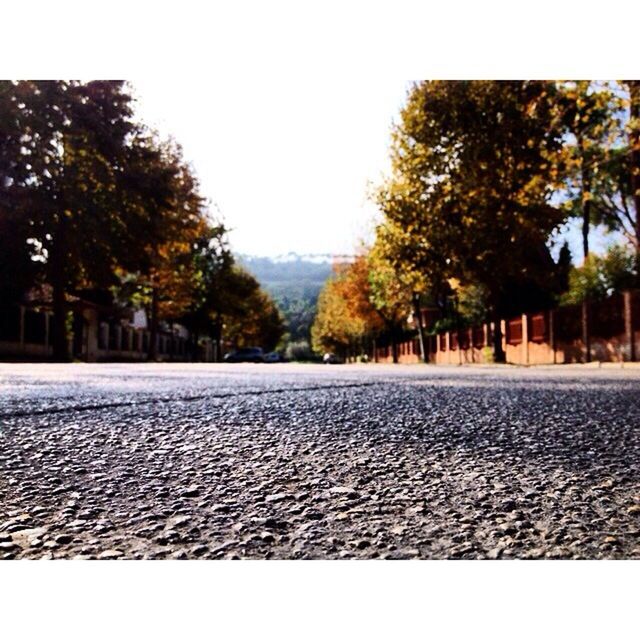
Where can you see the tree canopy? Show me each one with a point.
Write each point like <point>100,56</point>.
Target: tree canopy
<point>484,172</point>
<point>92,200</point>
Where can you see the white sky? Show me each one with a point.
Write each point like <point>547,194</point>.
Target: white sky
<point>284,107</point>
<point>286,160</point>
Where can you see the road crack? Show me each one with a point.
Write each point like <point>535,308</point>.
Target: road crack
<point>152,401</point>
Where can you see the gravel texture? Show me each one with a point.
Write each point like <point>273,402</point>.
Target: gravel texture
<point>294,461</point>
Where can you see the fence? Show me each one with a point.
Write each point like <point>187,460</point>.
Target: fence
<point>25,334</point>
<point>548,337</point>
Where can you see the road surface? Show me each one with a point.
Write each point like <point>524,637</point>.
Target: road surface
<point>312,461</point>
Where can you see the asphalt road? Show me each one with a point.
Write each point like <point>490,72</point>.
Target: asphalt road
<point>303,461</point>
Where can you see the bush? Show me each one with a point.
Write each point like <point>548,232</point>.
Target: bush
<point>300,350</point>
<point>487,355</point>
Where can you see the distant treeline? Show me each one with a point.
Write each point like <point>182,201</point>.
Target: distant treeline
<point>294,284</point>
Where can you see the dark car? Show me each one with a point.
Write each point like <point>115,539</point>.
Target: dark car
<point>249,354</point>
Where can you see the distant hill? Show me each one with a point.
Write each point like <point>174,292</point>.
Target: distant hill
<point>288,268</point>
<point>294,281</point>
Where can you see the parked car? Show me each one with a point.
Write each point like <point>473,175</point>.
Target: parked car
<point>274,356</point>
<point>248,354</point>
<point>331,358</point>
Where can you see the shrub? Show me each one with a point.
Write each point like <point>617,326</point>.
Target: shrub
<point>299,350</point>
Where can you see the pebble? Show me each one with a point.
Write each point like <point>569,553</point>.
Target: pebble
<point>110,554</point>
<point>276,497</point>
<point>200,550</point>
<point>192,491</point>
<point>178,521</point>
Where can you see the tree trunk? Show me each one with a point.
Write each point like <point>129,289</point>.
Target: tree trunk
<point>586,330</point>
<point>60,335</point>
<point>153,326</point>
<point>586,223</point>
<point>585,229</point>
<point>418,316</point>
<point>57,275</point>
<point>498,352</point>
<point>394,345</point>
<point>586,212</point>
<point>194,346</point>
<point>218,338</point>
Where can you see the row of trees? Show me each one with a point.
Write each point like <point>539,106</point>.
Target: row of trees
<point>484,173</point>
<point>364,299</point>
<point>95,205</point>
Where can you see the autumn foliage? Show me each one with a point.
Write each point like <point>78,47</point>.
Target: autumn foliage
<point>94,204</point>
<point>483,174</point>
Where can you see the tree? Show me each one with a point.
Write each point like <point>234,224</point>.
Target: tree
<point>19,259</point>
<point>165,213</point>
<point>601,276</point>
<point>339,325</point>
<point>419,270</point>
<point>390,294</point>
<point>363,299</point>
<point>617,201</point>
<point>91,201</point>
<point>212,262</point>
<point>587,112</point>
<point>65,180</point>
<point>346,315</point>
<point>245,312</point>
<point>260,323</point>
<point>474,167</point>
